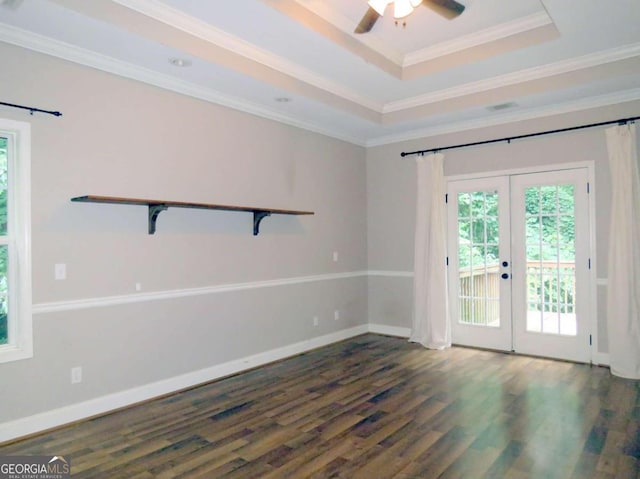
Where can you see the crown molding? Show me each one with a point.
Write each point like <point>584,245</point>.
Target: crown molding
<point>482,37</point>
<point>402,60</point>
<point>536,73</point>
<point>529,114</point>
<point>65,51</point>
<point>198,28</point>
<point>193,26</point>
<point>72,53</point>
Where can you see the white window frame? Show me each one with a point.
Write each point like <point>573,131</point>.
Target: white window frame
<point>20,329</point>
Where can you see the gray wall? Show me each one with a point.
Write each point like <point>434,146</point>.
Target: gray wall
<point>123,138</point>
<point>391,196</point>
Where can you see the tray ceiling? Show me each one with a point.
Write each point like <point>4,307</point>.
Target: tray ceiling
<point>299,62</point>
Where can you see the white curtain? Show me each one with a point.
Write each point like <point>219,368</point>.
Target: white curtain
<point>431,326</point>
<point>623,293</point>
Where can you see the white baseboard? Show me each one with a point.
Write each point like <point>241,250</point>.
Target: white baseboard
<point>93,407</point>
<point>390,330</point>
<point>601,359</point>
<point>75,412</point>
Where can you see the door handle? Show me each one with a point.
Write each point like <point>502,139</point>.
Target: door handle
<point>505,263</point>
<point>505,276</point>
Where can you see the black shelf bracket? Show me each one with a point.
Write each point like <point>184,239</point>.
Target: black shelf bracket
<point>154,211</point>
<point>158,206</point>
<point>258,216</point>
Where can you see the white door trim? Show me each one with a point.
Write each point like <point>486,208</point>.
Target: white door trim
<point>523,170</point>
<point>498,337</point>
<point>590,166</point>
<point>572,347</point>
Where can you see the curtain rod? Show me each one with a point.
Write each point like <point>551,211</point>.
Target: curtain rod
<point>508,139</point>
<point>31,109</point>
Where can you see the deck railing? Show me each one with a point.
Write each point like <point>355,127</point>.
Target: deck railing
<point>550,288</point>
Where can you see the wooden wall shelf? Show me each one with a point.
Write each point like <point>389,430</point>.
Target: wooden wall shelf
<point>158,206</point>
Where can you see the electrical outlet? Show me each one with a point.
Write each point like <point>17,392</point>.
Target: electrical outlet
<point>315,320</point>
<point>76,375</point>
<point>335,256</point>
<point>138,286</point>
<point>60,271</point>
<point>336,315</point>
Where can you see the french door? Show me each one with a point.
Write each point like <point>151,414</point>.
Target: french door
<point>518,250</point>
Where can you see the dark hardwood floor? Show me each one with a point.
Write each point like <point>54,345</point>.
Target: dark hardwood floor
<point>371,407</point>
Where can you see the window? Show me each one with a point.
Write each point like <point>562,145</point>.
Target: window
<point>16,340</point>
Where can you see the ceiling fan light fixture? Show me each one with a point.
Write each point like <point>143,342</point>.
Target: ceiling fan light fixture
<point>449,9</point>
<point>402,8</point>
<point>379,5</point>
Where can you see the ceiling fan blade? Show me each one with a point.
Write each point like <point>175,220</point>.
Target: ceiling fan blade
<point>367,22</point>
<point>447,8</point>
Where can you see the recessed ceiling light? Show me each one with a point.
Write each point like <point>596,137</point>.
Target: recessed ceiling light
<point>283,99</point>
<point>180,62</point>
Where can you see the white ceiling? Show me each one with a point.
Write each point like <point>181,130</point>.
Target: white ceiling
<point>394,83</point>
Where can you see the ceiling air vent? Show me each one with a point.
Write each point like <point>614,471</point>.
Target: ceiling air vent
<point>502,106</point>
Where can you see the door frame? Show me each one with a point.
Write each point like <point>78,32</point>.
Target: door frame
<point>592,313</point>
<point>499,338</point>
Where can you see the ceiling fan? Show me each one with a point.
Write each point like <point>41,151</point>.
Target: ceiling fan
<point>447,8</point>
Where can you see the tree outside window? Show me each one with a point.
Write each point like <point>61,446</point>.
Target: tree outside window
<point>4,286</point>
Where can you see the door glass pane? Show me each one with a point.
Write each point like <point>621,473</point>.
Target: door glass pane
<point>464,205</point>
<point>550,233</point>
<point>478,253</point>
